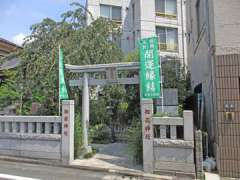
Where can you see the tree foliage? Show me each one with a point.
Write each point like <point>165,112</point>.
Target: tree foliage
<point>8,92</point>
<point>38,72</point>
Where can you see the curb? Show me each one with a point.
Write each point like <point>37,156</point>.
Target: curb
<point>138,174</point>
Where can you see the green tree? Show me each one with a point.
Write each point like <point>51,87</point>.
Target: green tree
<point>38,72</point>
<point>8,92</point>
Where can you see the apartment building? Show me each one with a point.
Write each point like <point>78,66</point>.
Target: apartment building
<point>214,61</point>
<point>146,18</point>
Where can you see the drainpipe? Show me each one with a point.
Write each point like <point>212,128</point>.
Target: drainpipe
<point>183,34</point>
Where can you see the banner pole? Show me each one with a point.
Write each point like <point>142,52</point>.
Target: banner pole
<point>59,101</point>
<point>160,62</point>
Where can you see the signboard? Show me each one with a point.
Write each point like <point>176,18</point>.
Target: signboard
<point>149,68</point>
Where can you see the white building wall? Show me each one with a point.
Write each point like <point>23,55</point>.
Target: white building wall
<point>227,25</point>
<point>145,23</point>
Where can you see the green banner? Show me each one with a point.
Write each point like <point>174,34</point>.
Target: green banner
<point>149,68</point>
<point>63,94</point>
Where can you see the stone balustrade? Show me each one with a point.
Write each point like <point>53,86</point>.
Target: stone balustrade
<point>168,127</point>
<point>20,125</point>
<point>44,137</point>
<point>172,145</point>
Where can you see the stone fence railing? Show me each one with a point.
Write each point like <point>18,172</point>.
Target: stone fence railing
<point>45,137</point>
<point>173,144</point>
<point>30,124</point>
<point>168,143</point>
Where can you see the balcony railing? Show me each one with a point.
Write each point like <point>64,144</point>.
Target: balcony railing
<point>168,47</point>
<point>167,15</point>
<point>117,21</point>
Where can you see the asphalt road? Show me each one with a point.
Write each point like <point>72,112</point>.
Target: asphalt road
<point>22,171</point>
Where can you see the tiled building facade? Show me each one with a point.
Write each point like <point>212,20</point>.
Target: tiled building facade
<point>213,58</point>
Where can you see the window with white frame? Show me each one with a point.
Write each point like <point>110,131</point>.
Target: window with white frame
<point>111,12</point>
<point>168,38</point>
<point>166,8</point>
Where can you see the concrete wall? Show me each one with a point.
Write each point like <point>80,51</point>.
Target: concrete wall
<point>227,24</point>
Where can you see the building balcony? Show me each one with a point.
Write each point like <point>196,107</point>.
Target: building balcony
<point>166,15</point>
<point>168,47</point>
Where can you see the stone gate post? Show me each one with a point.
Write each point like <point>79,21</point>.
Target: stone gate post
<point>67,146</point>
<point>147,130</point>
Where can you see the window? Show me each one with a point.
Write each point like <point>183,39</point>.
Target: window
<point>105,11</point>
<point>116,13</point>
<point>166,8</point>
<point>111,12</point>
<point>168,38</point>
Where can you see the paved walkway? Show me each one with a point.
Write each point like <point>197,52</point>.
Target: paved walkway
<point>112,156</point>
<point>211,176</point>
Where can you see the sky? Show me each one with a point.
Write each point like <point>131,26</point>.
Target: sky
<point>17,16</point>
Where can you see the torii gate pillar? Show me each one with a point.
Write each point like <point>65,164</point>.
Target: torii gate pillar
<point>85,113</point>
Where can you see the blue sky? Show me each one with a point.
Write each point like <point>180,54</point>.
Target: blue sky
<point>16,16</point>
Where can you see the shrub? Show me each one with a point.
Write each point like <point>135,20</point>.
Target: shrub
<point>101,134</point>
<point>77,135</point>
<point>134,140</point>
<point>91,154</point>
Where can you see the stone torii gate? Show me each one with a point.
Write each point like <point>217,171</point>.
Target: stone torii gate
<point>111,71</point>
<point>111,77</point>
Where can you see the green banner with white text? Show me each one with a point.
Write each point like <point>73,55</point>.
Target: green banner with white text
<point>149,68</point>
<point>63,94</point>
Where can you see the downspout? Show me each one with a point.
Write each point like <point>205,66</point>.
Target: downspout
<point>211,55</point>
<point>183,35</point>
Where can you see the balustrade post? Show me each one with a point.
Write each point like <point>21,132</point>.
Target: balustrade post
<point>163,132</point>
<point>7,127</point>
<point>173,132</point>
<point>47,128</point>
<point>38,128</point>
<point>56,128</point>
